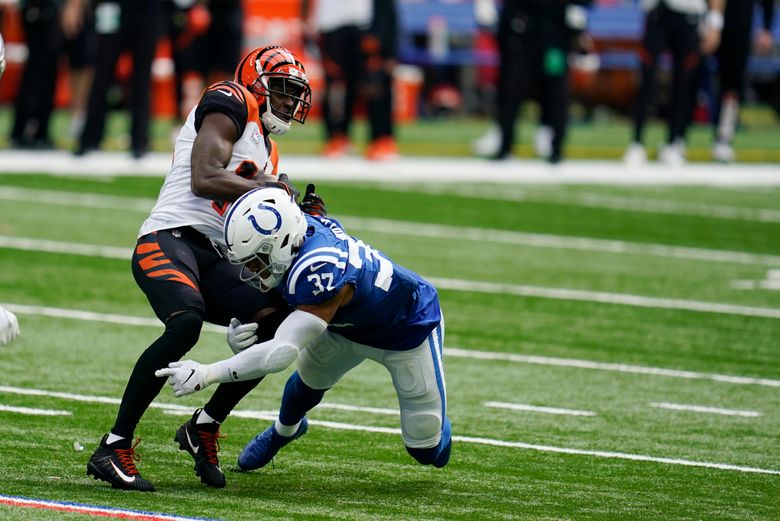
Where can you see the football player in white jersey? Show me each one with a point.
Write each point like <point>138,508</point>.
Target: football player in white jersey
<point>223,151</point>
<point>351,303</point>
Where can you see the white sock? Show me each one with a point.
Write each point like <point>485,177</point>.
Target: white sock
<point>113,438</point>
<point>286,430</point>
<point>203,417</point>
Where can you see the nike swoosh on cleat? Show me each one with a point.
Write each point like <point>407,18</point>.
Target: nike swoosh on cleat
<point>122,475</point>
<point>194,448</point>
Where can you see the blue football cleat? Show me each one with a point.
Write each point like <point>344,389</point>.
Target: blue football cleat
<point>262,448</point>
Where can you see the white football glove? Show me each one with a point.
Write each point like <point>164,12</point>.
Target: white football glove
<point>185,377</point>
<point>240,336</point>
<point>9,326</point>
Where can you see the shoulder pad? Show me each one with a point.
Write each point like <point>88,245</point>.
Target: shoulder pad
<point>317,275</point>
<point>229,98</point>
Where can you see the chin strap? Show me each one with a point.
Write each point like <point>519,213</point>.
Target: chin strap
<point>273,123</point>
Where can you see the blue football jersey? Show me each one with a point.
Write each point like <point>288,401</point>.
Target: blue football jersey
<point>392,307</point>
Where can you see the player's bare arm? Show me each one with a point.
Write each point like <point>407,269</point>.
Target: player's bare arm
<point>211,153</point>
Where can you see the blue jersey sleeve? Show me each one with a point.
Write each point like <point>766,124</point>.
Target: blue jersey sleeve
<point>316,276</point>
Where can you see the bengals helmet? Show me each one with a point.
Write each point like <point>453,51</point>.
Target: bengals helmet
<point>275,70</point>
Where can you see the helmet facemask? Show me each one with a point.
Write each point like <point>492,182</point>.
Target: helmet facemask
<point>287,99</point>
<point>259,271</point>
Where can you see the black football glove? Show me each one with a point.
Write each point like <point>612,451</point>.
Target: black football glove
<point>284,180</point>
<point>312,203</point>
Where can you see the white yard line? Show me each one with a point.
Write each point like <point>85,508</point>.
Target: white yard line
<point>604,366</point>
<point>34,412</point>
<point>69,248</point>
<point>540,240</point>
<point>414,169</point>
<point>448,351</point>
<point>591,200</point>
<point>703,409</point>
<point>457,438</point>
<point>448,284</point>
<point>602,297</point>
<point>80,199</point>
<point>536,408</point>
<point>412,229</point>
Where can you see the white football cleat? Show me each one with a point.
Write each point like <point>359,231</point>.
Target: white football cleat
<point>672,154</point>
<point>543,141</point>
<point>635,155</point>
<point>723,152</point>
<point>488,144</point>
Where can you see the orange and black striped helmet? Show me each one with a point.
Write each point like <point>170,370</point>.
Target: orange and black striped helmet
<point>274,70</point>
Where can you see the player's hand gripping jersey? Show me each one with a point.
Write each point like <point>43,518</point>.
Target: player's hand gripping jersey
<point>392,307</point>
<point>253,154</point>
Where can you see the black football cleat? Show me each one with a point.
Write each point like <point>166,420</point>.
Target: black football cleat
<point>115,464</point>
<point>202,442</point>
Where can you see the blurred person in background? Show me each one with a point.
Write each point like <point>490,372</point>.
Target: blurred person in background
<point>534,41</point>
<point>51,27</point>
<point>357,41</point>
<point>79,28</point>
<point>223,150</point>
<point>122,25</point>
<point>207,39</point>
<point>9,324</point>
<point>732,54</point>
<point>689,30</point>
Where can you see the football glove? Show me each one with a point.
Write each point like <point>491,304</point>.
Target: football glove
<point>9,326</point>
<point>312,203</point>
<point>185,377</point>
<point>284,180</point>
<point>240,336</point>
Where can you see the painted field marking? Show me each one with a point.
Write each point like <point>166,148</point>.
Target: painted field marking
<point>264,415</point>
<point>703,409</point>
<point>771,282</point>
<point>414,229</point>
<point>412,169</point>
<point>91,510</point>
<point>449,284</point>
<point>449,351</point>
<point>540,240</point>
<point>536,408</point>
<point>602,297</point>
<point>595,200</point>
<point>34,412</point>
<point>606,366</point>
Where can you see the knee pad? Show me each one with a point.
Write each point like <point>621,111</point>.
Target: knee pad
<point>439,455</point>
<point>420,428</point>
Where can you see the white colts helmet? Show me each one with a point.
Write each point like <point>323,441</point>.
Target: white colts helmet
<point>263,231</point>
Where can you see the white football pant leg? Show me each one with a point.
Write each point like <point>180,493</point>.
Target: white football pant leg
<point>418,378</point>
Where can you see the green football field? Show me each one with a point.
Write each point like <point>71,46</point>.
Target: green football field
<point>611,353</point>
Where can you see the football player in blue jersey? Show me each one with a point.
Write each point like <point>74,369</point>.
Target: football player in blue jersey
<point>350,303</point>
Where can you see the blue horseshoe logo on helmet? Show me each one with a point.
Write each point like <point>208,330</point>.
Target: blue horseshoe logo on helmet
<point>262,230</point>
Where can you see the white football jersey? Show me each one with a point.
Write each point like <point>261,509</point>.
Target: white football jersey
<point>176,205</point>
